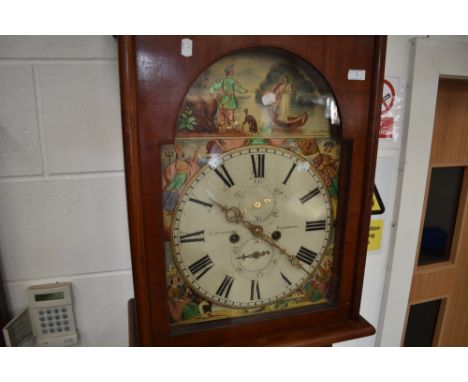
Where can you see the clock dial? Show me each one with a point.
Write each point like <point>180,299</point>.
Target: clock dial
<point>251,227</point>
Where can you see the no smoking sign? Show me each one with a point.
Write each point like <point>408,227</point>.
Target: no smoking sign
<point>387,117</point>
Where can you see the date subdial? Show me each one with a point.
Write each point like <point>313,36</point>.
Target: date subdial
<point>253,259</point>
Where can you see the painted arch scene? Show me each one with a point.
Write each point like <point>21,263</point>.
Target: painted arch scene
<point>264,93</point>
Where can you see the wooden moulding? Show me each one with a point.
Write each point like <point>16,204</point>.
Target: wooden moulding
<point>446,279</point>
<point>154,80</point>
<point>369,170</point>
<point>127,72</point>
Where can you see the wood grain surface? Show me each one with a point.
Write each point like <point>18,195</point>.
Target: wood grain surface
<point>447,280</point>
<point>154,81</point>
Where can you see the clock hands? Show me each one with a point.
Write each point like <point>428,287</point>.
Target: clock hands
<point>254,255</point>
<point>292,259</point>
<point>235,215</point>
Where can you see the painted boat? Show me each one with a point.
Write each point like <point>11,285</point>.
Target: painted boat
<point>292,122</point>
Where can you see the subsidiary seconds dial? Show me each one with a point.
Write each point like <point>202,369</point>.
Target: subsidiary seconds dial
<point>251,227</point>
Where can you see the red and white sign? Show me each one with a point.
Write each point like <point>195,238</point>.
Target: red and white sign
<point>386,127</point>
<point>387,116</point>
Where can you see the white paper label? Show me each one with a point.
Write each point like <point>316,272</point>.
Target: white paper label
<point>186,47</point>
<point>356,74</point>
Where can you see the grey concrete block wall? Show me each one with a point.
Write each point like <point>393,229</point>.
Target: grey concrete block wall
<point>63,227</point>
<point>58,47</point>
<point>62,191</point>
<point>20,146</point>
<point>80,111</point>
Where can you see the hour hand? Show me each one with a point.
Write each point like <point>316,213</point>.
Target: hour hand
<point>232,214</point>
<point>254,255</point>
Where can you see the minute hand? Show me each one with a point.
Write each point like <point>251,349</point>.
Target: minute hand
<point>267,238</point>
<point>235,215</point>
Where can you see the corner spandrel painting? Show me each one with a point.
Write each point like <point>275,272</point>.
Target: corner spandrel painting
<point>180,163</point>
<point>258,94</point>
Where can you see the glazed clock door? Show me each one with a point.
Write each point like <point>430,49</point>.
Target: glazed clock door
<point>249,174</point>
<point>250,192</point>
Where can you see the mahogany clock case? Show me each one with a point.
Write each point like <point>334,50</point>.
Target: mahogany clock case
<point>155,78</point>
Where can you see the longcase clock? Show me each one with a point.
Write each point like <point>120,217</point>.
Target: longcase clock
<point>249,167</point>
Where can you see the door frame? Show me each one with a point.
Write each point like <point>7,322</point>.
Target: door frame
<point>431,59</point>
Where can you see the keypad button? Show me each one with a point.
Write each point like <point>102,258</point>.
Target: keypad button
<point>41,312</point>
<point>66,328</point>
<point>49,311</point>
<point>65,322</point>
<point>56,310</point>
<point>63,310</point>
<point>52,330</point>
<point>57,317</point>
<point>42,319</point>
<point>50,318</point>
<point>51,324</point>
<point>45,331</point>
<point>43,325</point>
<point>64,316</point>
<point>58,323</point>
<point>59,330</point>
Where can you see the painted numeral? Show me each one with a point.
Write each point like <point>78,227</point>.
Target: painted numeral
<point>224,176</point>
<point>309,195</point>
<point>254,290</point>
<point>317,225</point>
<point>306,255</point>
<point>201,266</point>
<point>193,237</point>
<point>289,173</point>
<point>201,202</point>
<point>225,287</point>
<point>285,278</point>
<point>258,165</point>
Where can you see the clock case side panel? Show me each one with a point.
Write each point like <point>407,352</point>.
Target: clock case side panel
<point>127,74</point>
<point>369,170</point>
<point>142,138</point>
<point>364,148</point>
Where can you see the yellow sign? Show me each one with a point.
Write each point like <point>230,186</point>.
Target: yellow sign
<point>378,207</point>
<point>375,235</point>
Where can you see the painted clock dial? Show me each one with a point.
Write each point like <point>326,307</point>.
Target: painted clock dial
<point>251,226</point>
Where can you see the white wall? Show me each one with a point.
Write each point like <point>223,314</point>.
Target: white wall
<point>62,192</point>
<point>389,151</point>
<point>434,57</point>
